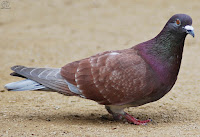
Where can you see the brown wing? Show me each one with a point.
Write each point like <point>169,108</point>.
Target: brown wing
<point>108,78</point>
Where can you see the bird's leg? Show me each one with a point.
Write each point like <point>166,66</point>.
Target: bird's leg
<point>116,116</point>
<point>119,114</point>
<point>135,121</point>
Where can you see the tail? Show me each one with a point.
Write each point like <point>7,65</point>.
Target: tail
<point>24,85</point>
<point>48,79</point>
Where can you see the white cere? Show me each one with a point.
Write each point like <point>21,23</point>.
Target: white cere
<point>188,27</point>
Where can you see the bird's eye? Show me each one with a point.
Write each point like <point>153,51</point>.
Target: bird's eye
<point>178,22</point>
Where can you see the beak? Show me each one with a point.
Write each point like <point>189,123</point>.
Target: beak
<point>189,30</point>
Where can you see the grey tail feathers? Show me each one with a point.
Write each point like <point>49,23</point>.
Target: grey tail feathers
<point>24,85</point>
<point>38,79</point>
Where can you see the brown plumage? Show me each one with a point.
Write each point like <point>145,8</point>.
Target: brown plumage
<point>117,79</point>
<point>110,78</point>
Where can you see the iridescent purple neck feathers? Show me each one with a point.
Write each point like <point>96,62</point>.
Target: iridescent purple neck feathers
<point>164,52</point>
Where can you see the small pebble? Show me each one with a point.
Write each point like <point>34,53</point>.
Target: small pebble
<point>12,101</point>
<point>48,119</point>
<point>126,123</point>
<point>2,90</point>
<point>57,107</point>
<point>54,133</point>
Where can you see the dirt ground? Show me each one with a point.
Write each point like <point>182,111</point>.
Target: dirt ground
<point>41,34</point>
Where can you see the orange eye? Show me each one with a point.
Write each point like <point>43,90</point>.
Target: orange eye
<point>178,22</point>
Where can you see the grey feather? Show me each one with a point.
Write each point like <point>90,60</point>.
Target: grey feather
<point>73,88</point>
<point>24,85</point>
<point>47,77</point>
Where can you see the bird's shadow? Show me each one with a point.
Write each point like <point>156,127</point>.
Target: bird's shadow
<point>163,116</point>
<point>67,118</point>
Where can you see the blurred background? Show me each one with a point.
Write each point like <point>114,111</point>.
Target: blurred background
<point>54,33</point>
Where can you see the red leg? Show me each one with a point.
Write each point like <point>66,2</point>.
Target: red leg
<point>119,114</point>
<point>136,121</point>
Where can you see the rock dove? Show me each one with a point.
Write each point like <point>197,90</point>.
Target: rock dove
<point>117,79</point>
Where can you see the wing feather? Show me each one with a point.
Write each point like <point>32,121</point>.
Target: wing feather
<point>108,78</point>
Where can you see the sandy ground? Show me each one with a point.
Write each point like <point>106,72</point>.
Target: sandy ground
<point>34,33</point>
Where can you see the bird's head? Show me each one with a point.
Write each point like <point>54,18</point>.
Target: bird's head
<point>180,24</point>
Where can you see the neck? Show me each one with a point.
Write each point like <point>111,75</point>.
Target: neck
<point>163,53</point>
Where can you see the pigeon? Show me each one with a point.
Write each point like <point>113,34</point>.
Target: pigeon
<point>117,79</point>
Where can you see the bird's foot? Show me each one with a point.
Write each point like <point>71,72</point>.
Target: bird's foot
<point>135,121</point>
<point>130,119</point>
<point>119,114</point>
